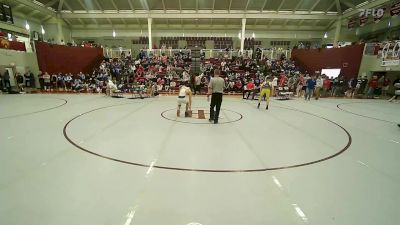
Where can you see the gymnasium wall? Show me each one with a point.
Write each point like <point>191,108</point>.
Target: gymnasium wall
<point>65,59</point>
<point>20,61</point>
<point>371,63</point>
<point>50,27</point>
<point>347,58</point>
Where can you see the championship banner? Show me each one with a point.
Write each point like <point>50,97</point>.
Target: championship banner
<point>378,17</point>
<point>363,20</point>
<point>352,23</point>
<point>395,9</point>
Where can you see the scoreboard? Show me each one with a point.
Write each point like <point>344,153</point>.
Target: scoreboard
<point>5,13</point>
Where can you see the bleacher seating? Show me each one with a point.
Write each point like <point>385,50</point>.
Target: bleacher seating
<point>192,42</point>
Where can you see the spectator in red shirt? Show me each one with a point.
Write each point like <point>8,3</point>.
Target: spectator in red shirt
<point>326,85</point>
<point>238,85</point>
<point>249,89</point>
<point>372,84</point>
<point>140,70</point>
<point>282,80</point>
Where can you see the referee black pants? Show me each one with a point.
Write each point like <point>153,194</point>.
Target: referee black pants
<point>216,100</point>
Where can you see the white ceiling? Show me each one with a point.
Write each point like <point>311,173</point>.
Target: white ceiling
<point>197,14</point>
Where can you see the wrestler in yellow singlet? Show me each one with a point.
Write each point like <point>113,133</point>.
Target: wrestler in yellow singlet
<point>265,91</point>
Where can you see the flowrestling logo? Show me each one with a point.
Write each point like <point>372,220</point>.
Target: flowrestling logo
<point>372,12</point>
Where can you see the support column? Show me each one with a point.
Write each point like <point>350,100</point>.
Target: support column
<point>337,31</point>
<point>242,35</point>
<point>60,35</point>
<point>149,21</point>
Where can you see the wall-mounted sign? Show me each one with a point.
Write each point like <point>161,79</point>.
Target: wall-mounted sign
<point>395,9</point>
<point>378,17</point>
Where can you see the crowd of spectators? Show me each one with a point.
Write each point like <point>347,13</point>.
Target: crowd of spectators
<point>245,76</point>
<point>153,72</point>
<point>161,73</point>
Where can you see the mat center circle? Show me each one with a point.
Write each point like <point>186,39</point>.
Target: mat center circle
<point>201,116</point>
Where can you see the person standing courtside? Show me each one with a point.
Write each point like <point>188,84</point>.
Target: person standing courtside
<point>216,90</point>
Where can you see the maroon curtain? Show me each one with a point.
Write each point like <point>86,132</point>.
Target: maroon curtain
<point>66,59</point>
<point>348,59</point>
<point>12,45</point>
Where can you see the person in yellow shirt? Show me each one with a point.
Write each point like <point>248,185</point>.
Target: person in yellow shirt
<point>265,90</point>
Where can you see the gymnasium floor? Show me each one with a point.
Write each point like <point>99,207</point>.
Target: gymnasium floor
<point>92,160</point>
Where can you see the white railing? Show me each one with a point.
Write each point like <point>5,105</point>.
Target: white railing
<point>227,54</point>
<point>276,53</point>
<point>390,53</point>
<point>167,52</point>
<point>115,52</point>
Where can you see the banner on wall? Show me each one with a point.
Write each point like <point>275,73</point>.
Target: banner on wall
<point>378,17</point>
<point>395,9</point>
<point>352,23</point>
<point>363,20</point>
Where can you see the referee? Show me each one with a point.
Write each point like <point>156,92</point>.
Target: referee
<point>215,89</point>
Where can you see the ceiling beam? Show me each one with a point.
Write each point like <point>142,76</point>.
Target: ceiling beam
<point>306,30</point>
<point>370,5</point>
<point>213,6</point>
<point>99,6</point>
<point>114,5</point>
<point>263,6</point>
<point>140,24</point>
<point>131,5</point>
<point>83,5</point>
<point>202,15</point>
<point>81,21</point>
<point>314,5</point>
<point>338,7</point>
<point>109,21</point>
<point>330,24</point>
<point>45,19</point>
<point>180,6</point>
<point>32,5</point>
<point>297,6</point>
<point>286,22</point>
<point>230,5</point>
<point>34,12</point>
<point>68,6</point>
<point>50,3</point>
<point>197,5</point>
<point>349,4</point>
<point>247,5</point>
<point>163,5</point>
<point>330,7</point>
<point>18,7</point>
<point>280,5</point>
<point>300,23</point>
<point>67,22</point>
<point>145,5</point>
<point>60,5</point>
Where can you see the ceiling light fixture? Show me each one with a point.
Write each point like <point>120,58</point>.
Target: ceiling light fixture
<point>27,25</point>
